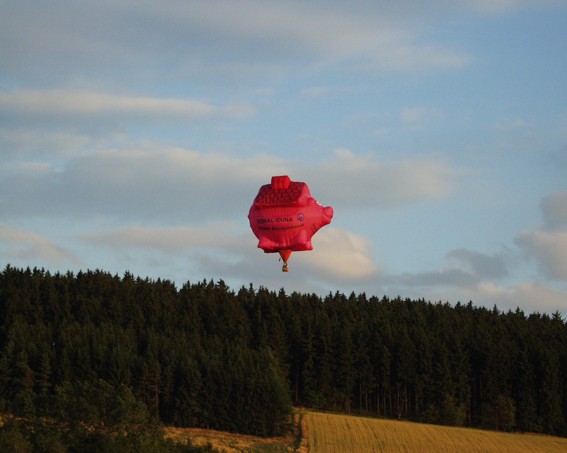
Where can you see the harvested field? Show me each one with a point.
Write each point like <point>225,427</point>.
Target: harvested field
<point>328,433</point>
<point>319,432</point>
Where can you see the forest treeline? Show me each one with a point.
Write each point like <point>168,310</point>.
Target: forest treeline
<point>205,355</point>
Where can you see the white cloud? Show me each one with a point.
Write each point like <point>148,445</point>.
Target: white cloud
<point>481,264</point>
<point>88,103</point>
<point>176,185</point>
<point>315,92</point>
<point>19,143</point>
<point>319,31</point>
<point>548,245</point>
<point>167,240</point>
<point>342,255</point>
<point>21,245</point>
<point>115,40</point>
<point>170,185</point>
<point>359,181</point>
<point>530,297</point>
<point>511,124</point>
<point>503,6</point>
<point>226,251</point>
<point>496,6</point>
<point>419,115</point>
<point>413,114</point>
<point>549,249</point>
<point>479,276</point>
<point>554,211</point>
<point>452,276</point>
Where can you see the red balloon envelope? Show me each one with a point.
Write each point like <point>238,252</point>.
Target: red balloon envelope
<point>284,217</point>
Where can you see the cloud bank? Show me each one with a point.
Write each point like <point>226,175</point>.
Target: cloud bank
<point>548,245</point>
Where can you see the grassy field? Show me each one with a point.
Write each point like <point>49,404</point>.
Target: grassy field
<point>231,443</point>
<point>236,443</point>
<point>317,432</point>
<point>328,433</point>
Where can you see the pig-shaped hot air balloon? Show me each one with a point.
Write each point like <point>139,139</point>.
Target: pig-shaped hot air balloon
<point>284,217</point>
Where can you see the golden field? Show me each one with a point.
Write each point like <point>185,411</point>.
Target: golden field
<point>319,432</point>
<point>328,433</point>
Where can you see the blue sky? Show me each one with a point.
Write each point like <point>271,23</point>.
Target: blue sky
<point>135,135</point>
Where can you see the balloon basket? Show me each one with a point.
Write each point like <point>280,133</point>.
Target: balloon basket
<point>285,268</point>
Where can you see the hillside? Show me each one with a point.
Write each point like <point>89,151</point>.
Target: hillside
<point>334,433</point>
<point>206,356</point>
<point>337,433</point>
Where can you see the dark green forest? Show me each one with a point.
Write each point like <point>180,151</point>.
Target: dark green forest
<point>97,349</point>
